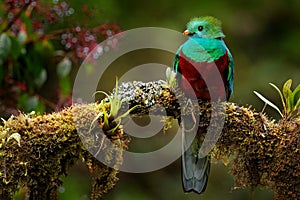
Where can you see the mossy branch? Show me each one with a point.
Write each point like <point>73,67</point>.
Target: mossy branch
<point>36,150</point>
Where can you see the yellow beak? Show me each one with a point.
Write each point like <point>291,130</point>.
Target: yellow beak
<point>186,32</point>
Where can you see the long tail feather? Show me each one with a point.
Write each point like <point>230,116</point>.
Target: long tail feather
<point>195,170</point>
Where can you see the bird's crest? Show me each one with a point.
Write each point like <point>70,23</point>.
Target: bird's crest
<point>212,20</point>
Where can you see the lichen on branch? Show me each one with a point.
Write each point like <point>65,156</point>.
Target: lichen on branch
<point>37,150</point>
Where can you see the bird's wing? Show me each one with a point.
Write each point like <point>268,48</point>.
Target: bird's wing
<point>176,67</point>
<point>230,72</point>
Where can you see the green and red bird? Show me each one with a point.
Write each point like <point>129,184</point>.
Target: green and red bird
<point>196,63</point>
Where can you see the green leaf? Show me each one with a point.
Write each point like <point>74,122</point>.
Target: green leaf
<point>15,136</point>
<point>296,96</point>
<point>5,45</point>
<point>280,94</point>
<point>16,48</point>
<point>1,73</point>
<point>39,81</point>
<point>287,93</point>
<point>65,85</point>
<point>268,102</point>
<point>22,37</point>
<point>287,89</point>
<point>290,100</point>
<point>297,106</point>
<point>126,113</point>
<point>115,102</point>
<point>105,118</point>
<point>30,103</point>
<point>28,23</point>
<point>64,67</point>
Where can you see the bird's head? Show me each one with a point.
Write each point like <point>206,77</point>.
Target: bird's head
<point>204,27</point>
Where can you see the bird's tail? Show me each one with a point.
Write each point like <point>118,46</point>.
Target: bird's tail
<point>195,170</point>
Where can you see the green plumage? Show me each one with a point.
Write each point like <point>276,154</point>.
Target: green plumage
<point>204,49</point>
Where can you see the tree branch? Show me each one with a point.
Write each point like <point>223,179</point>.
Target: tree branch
<point>36,150</point>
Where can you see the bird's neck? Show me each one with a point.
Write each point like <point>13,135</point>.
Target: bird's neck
<point>204,49</point>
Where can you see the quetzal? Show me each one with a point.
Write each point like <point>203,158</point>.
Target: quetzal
<point>204,51</point>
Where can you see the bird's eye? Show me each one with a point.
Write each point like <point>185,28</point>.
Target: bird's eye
<point>200,28</point>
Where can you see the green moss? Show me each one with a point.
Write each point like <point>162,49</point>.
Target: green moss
<point>49,145</point>
<point>259,151</point>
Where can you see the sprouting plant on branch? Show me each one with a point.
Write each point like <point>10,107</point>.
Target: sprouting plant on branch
<point>112,119</point>
<point>290,100</point>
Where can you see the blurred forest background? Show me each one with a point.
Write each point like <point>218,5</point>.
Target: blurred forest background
<point>43,43</point>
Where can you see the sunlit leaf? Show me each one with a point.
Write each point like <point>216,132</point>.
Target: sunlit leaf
<point>115,102</point>
<point>268,102</point>
<point>290,101</point>
<point>280,94</point>
<point>287,89</point>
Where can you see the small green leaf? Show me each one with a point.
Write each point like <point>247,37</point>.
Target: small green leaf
<point>280,94</point>
<point>115,101</point>
<point>15,136</point>
<point>1,73</point>
<point>30,103</point>
<point>268,102</point>
<point>290,101</point>
<point>287,89</point>
<point>65,85</point>
<point>126,113</point>
<point>28,23</point>
<point>41,79</point>
<point>105,118</point>
<point>5,45</point>
<point>64,67</point>
<point>297,106</point>
<point>296,95</point>
<point>22,37</point>
<point>16,48</point>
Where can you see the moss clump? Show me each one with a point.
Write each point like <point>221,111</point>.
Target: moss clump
<point>263,152</point>
<point>49,145</point>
